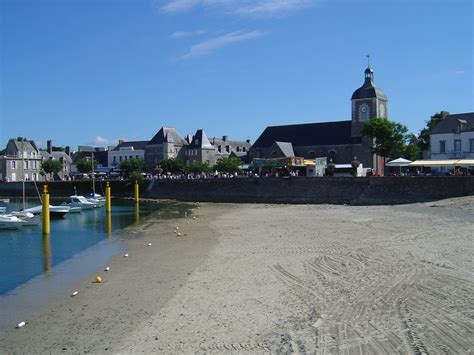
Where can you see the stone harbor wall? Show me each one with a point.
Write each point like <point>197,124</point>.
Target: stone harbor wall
<point>334,190</point>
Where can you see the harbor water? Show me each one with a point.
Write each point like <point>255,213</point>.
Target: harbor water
<point>35,268</point>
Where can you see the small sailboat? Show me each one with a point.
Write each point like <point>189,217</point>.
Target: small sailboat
<point>10,222</point>
<point>29,218</point>
<point>80,201</point>
<point>54,211</point>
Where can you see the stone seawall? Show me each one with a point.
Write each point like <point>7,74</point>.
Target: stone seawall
<point>335,190</point>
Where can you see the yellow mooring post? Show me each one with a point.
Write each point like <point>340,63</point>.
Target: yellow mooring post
<point>45,212</point>
<point>137,195</point>
<point>108,205</point>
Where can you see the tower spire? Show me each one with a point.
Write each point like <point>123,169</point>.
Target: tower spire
<point>368,60</point>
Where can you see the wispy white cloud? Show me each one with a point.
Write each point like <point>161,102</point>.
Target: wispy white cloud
<point>102,141</point>
<point>179,5</point>
<point>459,72</point>
<point>184,34</point>
<point>242,7</point>
<point>207,47</point>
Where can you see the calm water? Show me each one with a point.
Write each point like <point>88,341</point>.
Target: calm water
<point>35,269</point>
<point>26,253</point>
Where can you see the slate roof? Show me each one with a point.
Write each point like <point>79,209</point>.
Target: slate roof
<point>200,140</point>
<point>286,148</point>
<point>14,146</point>
<point>56,156</point>
<point>234,144</point>
<point>450,123</point>
<point>308,134</point>
<point>369,89</point>
<point>166,135</point>
<point>137,145</point>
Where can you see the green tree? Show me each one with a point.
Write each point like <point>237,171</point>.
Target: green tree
<point>412,152</point>
<point>198,167</point>
<point>390,138</point>
<point>85,166</point>
<point>228,165</point>
<point>132,165</point>
<point>51,166</point>
<point>424,137</point>
<point>172,166</point>
<point>136,176</point>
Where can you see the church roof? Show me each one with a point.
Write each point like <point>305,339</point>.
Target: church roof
<point>462,122</point>
<point>308,134</point>
<point>369,89</point>
<point>286,148</point>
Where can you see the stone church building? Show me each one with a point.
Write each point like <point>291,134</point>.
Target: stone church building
<point>340,141</point>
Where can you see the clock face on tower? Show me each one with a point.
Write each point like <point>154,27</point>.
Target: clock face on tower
<point>363,112</point>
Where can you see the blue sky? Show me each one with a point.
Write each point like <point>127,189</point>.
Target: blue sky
<point>91,72</point>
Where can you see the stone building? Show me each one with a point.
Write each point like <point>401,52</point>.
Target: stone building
<point>199,150</point>
<point>340,141</point>
<point>63,155</point>
<point>453,137</point>
<point>224,147</point>
<point>166,144</point>
<point>21,159</point>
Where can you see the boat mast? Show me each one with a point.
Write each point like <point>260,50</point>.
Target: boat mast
<point>23,169</point>
<point>93,175</point>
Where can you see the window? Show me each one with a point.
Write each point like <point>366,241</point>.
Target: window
<point>457,145</point>
<point>26,177</point>
<point>34,177</point>
<point>26,164</point>
<point>114,162</point>
<point>13,177</point>
<point>244,149</point>
<point>471,145</point>
<point>442,146</point>
<point>219,148</point>
<point>120,158</point>
<point>227,148</point>
<point>13,164</point>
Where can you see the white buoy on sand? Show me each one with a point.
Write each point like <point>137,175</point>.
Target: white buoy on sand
<point>149,244</point>
<point>21,324</point>
<point>125,256</point>
<point>74,293</point>
<point>107,268</point>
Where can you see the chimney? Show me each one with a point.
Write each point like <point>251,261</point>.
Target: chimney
<point>67,150</point>
<point>224,138</point>
<point>444,114</point>
<point>248,141</point>
<point>49,146</point>
<point>120,141</point>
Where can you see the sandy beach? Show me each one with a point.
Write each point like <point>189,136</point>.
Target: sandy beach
<point>276,278</point>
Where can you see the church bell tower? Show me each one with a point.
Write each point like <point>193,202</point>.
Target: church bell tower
<point>368,102</point>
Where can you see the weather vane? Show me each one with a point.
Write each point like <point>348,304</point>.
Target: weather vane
<point>368,60</point>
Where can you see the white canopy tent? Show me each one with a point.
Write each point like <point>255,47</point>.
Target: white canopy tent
<point>398,162</point>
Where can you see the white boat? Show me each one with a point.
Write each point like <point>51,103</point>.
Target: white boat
<point>10,222</point>
<point>54,211</point>
<point>97,200</point>
<point>80,201</point>
<point>29,218</point>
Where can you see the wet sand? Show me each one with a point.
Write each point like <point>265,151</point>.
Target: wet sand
<point>276,278</point>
